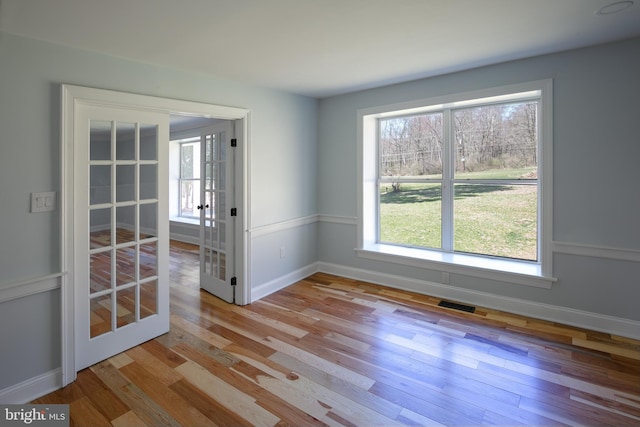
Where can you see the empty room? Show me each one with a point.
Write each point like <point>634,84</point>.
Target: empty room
<point>343,213</point>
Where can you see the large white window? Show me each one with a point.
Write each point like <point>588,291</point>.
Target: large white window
<point>462,181</point>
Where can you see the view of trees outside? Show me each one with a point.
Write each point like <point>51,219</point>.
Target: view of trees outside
<point>189,179</point>
<point>495,156</point>
<point>412,146</point>
<point>502,136</point>
<point>496,137</point>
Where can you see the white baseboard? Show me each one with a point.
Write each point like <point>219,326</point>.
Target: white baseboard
<point>184,238</point>
<point>282,282</point>
<point>33,388</point>
<point>567,316</point>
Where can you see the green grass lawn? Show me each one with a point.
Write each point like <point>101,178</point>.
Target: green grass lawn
<point>498,220</point>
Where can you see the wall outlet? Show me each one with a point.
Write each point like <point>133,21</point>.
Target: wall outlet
<point>43,202</point>
<point>281,251</point>
<point>445,278</point>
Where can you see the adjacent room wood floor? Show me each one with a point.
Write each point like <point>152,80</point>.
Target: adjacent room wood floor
<point>334,351</point>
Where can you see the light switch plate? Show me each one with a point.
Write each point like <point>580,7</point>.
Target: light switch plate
<point>43,202</point>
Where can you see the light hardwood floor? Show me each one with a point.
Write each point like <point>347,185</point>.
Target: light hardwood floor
<point>339,352</point>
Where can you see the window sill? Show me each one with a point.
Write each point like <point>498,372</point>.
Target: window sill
<point>503,270</point>
<point>182,220</point>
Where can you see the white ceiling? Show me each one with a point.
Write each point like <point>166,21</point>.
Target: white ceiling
<point>320,47</point>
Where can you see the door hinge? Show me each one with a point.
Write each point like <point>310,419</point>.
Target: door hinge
<point>234,142</point>
<point>234,281</point>
<point>234,212</point>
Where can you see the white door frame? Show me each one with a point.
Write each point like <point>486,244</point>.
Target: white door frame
<point>71,96</point>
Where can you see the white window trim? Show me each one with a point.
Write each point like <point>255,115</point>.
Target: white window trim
<point>501,269</point>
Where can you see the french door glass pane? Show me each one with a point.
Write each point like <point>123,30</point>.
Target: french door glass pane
<point>125,141</point>
<point>210,212</point>
<point>497,220</point>
<point>221,183</point>
<point>411,214</point>
<point>148,142</point>
<point>126,265</point>
<point>126,306</point>
<point>221,148</point>
<point>210,183</point>
<point>125,223</point>
<point>223,263</point>
<point>210,233</point>
<point>214,262</point>
<point>148,182</point>
<point>222,209</point>
<point>211,261</point>
<point>100,140</point>
<point>125,183</point>
<point>100,228</point>
<point>148,298</point>
<point>148,260</point>
<point>210,149</point>
<point>100,271</point>
<point>223,235</point>
<point>148,220</point>
<point>100,184</point>
<point>100,315</point>
<point>496,141</point>
<point>411,146</point>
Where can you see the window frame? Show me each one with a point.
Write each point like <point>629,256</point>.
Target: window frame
<point>536,273</point>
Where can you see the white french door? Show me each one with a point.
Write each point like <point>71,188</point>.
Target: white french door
<point>217,211</point>
<point>121,230</point>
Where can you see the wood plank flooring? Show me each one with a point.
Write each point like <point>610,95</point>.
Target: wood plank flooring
<point>339,352</point>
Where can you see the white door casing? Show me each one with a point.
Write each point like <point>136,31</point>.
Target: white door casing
<point>73,100</point>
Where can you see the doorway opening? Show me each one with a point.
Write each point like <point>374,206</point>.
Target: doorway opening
<point>203,197</point>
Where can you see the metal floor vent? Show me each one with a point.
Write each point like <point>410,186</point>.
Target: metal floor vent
<point>456,306</point>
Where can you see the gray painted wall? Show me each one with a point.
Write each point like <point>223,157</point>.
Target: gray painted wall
<point>596,157</point>
<point>282,172</point>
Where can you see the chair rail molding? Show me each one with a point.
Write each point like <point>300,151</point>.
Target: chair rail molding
<point>606,252</point>
<point>25,288</point>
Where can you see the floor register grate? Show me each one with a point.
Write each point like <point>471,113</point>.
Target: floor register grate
<point>456,306</point>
